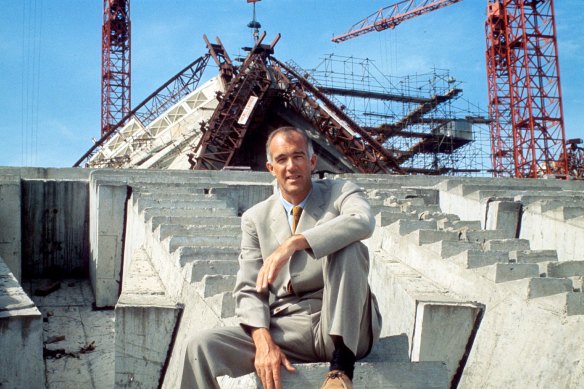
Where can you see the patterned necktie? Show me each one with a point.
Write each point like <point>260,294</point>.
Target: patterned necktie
<point>296,212</point>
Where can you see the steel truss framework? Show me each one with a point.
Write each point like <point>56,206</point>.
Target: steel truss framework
<point>226,129</point>
<point>390,17</point>
<point>368,155</point>
<point>370,149</point>
<point>420,118</point>
<point>171,92</point>
<point>115,60</point>
<point>528,135</point>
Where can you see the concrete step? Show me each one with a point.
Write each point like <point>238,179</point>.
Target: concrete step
<point>481,236</point>
<point>419,208</point>
<point>387,366</point>
<point>506,244</point>
<point>466,224</point>
<point>533,256</point>
<point>448,248</point>
<point>420,237</point>
<point>372,375</point>
<point>404,227</point>
<point>201,187</point>
<point>174,242</point>
<point>202,267</point>
<point>223,304</point>
<point>188,212</point>
<point>188,254</point>
<point>503,272</point>
<point>166,230</point>
<point>565,269</point>
<point>566,212</point>
<point>184,204</point>
<point>163,196</point>
<point>211,285</point>
<point>563,304</point>
<point>386,216</point>
<point>471,259</point>
<point>541,286</point>
<point>195,221</point>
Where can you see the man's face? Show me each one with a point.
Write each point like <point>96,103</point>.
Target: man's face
<point>291,165</point>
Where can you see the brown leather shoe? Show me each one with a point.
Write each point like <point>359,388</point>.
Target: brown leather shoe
<point>337,379</point>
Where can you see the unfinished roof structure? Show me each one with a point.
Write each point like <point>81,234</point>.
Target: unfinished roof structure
<point>355,127</point>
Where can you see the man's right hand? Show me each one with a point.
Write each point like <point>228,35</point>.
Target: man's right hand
<point>268,359</point>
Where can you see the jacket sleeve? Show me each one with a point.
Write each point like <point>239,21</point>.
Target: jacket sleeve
<point>252,308</point>
<point>348,220</point>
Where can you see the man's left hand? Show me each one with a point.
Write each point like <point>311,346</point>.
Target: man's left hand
<point>274,263</point>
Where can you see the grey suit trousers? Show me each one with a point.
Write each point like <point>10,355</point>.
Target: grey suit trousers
<point>302,330</point>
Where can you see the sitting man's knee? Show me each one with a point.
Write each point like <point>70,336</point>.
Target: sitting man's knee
<point>356,251</point>
<point>201,342</point>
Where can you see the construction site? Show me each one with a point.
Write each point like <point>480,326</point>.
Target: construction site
<point>109,266</point>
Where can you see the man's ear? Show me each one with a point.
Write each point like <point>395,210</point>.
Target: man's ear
<point>313,162</point>
<point>270,168</point>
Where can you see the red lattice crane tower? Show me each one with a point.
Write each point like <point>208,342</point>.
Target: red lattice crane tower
<point>525,100</point>
<point>115,63</point>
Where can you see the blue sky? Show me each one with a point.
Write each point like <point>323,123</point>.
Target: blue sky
<point>50,57</point>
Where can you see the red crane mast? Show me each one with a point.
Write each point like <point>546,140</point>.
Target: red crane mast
<point>115,63</point>
<point>525,100</point>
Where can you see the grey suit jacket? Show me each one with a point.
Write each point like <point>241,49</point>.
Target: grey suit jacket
<point>335,215</point>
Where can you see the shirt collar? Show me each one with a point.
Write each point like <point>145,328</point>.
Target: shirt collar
<point>288,206</point>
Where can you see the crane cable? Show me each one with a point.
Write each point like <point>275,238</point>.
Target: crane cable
<point>32,23</point>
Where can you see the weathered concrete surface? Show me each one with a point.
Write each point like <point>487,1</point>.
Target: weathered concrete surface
<point>21,336</point>
<point>56,224</point>
<point>504,216</point>
<point>10,223</point>
<point>438,324</point>
<point>145,324</point>
<point>79,339</point>
<point>445,332</point>
<point>546,230</point>
<point>106,231</point>
<point>517,313</point>
<point>388,375</point>
<point>526,320</point>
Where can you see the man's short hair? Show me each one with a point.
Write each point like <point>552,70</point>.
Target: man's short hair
<point>285,130</point>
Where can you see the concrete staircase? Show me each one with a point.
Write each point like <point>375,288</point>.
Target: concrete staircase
<point>479,281</point>
<point>192,238</point>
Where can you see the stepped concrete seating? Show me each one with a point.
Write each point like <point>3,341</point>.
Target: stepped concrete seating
<point>196,266</point>
<point>453,285</point>
<point>505,274</point>
<point>192,245</point>
<point>109,194</point>
<point>387,366</point>
<point>21,336</point>
<point>190,264</point>
<point>468,198</point>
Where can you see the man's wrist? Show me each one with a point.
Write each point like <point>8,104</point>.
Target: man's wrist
<point>261,335</point>
<point>298,242</point>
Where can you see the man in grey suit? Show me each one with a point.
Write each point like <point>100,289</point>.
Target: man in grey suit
<point>302,293</point>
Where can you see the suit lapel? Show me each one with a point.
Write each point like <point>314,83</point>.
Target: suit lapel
<point>279,220</point>
<point>313,210</point>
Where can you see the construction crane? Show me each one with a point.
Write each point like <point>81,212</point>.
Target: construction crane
<point>525,101</point>
<point>115,64</point>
